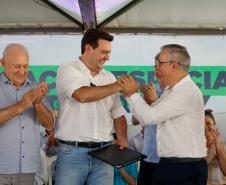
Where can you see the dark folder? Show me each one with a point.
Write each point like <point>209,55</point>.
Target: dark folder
<point>112,155</point>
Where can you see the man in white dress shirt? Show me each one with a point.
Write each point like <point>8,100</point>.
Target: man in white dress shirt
<point>179,116</point>
<point>89,109</point>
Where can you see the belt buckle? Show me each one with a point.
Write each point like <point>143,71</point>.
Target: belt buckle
<point>93,144</point>
<point>90,144</point>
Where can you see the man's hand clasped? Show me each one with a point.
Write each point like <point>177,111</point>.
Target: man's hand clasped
<point>128,85</point>
<point>34,96</point>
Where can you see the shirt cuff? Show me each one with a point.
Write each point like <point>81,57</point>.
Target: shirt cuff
<point>120,111</point>
<point>133,98</point>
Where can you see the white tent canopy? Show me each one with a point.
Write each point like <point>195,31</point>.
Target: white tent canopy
<point>145,14</point>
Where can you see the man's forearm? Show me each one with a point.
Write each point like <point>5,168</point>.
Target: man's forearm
<point>44,115</point>
<point>90,94</point>
<point>129,179</point>
<point>121,128</point>
<point>11,111</point>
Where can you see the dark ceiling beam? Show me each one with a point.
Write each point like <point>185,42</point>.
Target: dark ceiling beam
<point>165,31</point>
<point>88,13</point>
<point>119,12</point>
<point>119,30</point>
<point>42,30</point>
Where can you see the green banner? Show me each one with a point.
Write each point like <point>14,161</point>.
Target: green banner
<point>210,79</point>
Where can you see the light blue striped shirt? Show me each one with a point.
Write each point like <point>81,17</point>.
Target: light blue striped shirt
<point>150,144</point>
<point>19,136</point>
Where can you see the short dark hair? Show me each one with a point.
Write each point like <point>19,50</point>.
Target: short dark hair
<point>208,112</point>
<point>92,36</point>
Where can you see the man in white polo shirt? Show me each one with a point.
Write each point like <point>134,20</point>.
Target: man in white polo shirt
<point>179,115</point>
<point>89,110</point>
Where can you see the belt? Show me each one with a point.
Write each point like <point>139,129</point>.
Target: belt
<point>84,144</point>
<point>172,160</point>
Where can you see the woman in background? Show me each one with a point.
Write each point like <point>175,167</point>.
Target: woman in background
<point>216,151</point>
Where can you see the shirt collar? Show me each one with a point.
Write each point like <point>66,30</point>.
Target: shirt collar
<point>182,82</point>
<point>7,81</point>
<point>82,66</point>
<point>85,69</point>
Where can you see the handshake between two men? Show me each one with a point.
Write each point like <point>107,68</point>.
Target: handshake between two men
<point>129,86</point>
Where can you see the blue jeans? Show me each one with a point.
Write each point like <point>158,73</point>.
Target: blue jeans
<point>75,167</point>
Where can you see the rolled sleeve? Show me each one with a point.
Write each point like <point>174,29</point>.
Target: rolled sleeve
<point>69,79</point>
<point>75,84</point>
<point>120,111</point>
<point>117,109</point>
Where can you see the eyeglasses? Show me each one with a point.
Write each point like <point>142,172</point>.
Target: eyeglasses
<point>158,63</point>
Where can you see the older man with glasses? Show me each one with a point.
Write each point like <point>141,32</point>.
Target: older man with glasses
<point>179,115</point>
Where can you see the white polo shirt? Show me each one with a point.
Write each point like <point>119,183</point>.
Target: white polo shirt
<point>91,121</point>
<point>179,115</point>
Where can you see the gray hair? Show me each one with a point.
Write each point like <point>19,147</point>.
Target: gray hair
<point>157,56</point>
<point>13,46</point>
<point>178,53</point>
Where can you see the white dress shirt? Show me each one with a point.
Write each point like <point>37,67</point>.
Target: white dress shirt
<point>179,115</point>
<point>89,121</point>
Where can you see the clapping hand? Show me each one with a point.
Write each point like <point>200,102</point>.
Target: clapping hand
<point>34,96</point>
<point>211,146</point>
<point>149,92</point>
<point>217,139</point>
<point>30,97</point>
<point>43,89</point>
